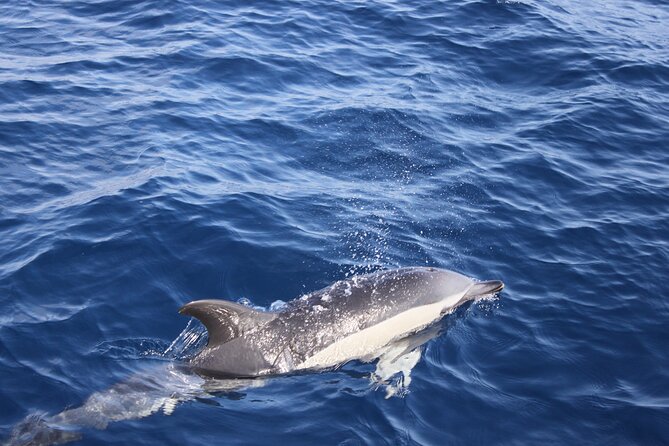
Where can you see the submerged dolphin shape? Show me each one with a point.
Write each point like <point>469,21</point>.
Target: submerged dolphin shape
<point>351,319</point>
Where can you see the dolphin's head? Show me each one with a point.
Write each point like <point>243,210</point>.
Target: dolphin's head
<point>450,288</point>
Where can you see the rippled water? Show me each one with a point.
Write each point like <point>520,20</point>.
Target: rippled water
<point>157,152</point>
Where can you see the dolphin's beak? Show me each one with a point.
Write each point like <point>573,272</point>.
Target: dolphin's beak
<point>483,289</point>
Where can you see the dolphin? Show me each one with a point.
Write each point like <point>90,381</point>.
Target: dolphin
<point>348,320</point>
<point>387,315</point>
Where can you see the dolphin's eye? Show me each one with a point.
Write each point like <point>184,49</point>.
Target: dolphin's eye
<point>432,269</point>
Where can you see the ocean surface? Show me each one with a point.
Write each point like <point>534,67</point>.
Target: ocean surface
<point>158,152</point>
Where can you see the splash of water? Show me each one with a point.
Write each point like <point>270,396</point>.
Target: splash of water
<point>189,341</point>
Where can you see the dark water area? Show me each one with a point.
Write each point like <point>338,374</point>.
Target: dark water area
<point>157,152</point>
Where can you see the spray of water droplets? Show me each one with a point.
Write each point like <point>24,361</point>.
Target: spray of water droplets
<point>189,341</point>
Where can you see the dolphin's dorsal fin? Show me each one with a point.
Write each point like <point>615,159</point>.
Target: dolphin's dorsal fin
<point>225,320</point>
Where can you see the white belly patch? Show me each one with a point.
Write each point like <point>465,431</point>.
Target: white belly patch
<point>372,339</point>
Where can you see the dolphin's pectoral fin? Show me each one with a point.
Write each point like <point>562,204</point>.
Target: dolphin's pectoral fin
<point>225,320</point>
<point>393,370</point>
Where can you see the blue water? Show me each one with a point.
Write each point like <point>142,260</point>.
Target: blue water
<point>157,152</point>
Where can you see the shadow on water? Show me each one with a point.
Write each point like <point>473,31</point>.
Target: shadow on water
<point>161,387</point>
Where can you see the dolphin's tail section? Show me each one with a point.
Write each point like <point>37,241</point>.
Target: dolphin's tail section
<point>153,391</point>
<point>34,430</point>
<point>484,289</point>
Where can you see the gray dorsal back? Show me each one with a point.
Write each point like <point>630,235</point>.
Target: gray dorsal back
<point>225,320</point>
